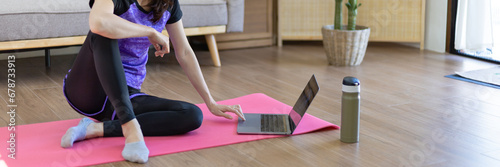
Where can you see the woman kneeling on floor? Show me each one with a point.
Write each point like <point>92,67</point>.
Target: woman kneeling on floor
<point>105,80</point>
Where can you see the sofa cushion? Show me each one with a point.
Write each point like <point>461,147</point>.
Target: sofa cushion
<point>198,13</point>
<point>34,19</point>
<point>236,15</point>
<point>38,6</point>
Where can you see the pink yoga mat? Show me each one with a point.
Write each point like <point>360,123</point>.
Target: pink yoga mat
<point>39,144</point>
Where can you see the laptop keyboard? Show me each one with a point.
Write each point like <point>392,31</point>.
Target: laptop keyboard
<point>272,123</point>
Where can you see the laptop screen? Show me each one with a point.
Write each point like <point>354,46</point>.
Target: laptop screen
<point>305,99</point>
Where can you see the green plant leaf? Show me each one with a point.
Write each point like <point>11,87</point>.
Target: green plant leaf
<point>338,15</point>
<point>348,5</point>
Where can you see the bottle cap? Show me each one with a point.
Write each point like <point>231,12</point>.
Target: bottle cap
<point>351,85</point>
<point>350,81</point>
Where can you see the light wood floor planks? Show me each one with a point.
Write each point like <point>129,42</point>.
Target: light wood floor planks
<point>411,114</point>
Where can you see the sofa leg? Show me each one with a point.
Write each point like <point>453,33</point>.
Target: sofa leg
<point>212,46</point>
<point>47,57</point>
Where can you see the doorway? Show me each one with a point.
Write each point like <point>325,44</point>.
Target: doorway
<point>474,29</point>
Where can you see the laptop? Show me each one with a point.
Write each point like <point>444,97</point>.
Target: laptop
<point>281,124</point>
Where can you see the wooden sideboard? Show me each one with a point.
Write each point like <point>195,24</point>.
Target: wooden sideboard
<point>389,20</point>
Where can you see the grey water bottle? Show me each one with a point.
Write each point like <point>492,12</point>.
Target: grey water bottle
<point>349,128</point>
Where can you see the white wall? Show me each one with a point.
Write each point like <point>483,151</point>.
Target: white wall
<point>435,25</point>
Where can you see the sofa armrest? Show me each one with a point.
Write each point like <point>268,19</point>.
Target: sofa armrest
<point>236,15</point>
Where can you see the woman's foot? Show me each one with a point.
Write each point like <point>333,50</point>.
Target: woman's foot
<point>136,152</point>
<point>135,149</point>
<point>76,133</point>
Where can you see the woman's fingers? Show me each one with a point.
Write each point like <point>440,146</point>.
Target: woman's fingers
<point>157,46</point>
<point>159,53</point>
<point>161,44</point>
<point>221,113</point>
<point>158,50</point>
<point>236,109</point>
<point>227,116</point>
<point>220,110</point>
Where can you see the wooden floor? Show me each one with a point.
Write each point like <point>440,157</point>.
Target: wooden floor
<point>411,114</point>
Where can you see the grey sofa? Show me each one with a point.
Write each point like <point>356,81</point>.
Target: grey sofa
<point>27,24</point>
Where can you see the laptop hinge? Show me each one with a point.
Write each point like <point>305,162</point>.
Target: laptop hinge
<point>292,125</point>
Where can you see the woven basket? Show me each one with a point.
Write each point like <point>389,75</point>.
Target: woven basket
<point>345,47</point>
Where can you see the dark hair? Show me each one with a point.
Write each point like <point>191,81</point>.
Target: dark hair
<point>159,7</point>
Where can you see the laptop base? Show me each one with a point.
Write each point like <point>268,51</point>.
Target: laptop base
<point>252,125</point>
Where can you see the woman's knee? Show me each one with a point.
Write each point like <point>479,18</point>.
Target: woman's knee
<point>194,116</point>
<point>98,40</point>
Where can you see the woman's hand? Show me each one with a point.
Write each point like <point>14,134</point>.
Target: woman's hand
<point>220,110</point>
<point>160,42</point>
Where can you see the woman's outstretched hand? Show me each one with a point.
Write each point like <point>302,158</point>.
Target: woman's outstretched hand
<point>220,110</point>
<point>160,42</point>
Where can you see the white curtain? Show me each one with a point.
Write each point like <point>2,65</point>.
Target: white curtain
<point>474,25</point>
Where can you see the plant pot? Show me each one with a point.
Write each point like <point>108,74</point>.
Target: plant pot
<point>345,47</point>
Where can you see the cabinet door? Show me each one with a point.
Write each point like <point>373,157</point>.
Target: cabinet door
<point>393,20</point>
<point>389,20</point>
<point>303,19</point>
<point>257,29</point>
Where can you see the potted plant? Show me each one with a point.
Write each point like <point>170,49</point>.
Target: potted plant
<point>345,45</point>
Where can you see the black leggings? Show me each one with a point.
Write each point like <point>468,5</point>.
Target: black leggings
<point>96,87</point>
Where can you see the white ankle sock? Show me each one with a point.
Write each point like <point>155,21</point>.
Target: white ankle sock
<point>136,152</point>
<point>75,133</point>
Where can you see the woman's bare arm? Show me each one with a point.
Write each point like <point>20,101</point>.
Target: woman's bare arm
<point>102,21</point>
<point>187,59</point>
